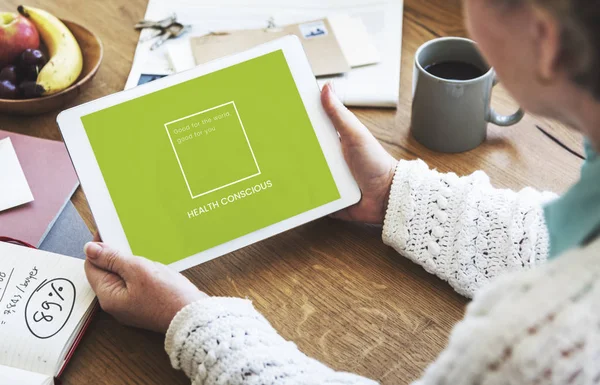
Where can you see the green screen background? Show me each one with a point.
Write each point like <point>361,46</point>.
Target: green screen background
<point>146,184</point>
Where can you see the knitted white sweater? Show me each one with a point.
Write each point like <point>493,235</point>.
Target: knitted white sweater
<point>538,326</point>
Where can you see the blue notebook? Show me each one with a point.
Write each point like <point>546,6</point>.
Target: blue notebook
<point>68,235</point>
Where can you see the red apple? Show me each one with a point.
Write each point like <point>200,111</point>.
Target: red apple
<point>17,34</point>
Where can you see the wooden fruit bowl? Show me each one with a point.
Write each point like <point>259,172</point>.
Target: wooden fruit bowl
<point>92,51</point>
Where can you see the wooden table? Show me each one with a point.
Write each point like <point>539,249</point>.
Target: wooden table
<point>332,287</point>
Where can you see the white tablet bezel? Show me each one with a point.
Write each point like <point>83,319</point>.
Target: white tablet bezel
<point>97,193</point>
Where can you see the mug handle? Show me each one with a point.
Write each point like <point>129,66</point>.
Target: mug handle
<point>504,120</point>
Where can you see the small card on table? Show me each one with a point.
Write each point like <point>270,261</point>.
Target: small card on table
<point>14,189</point>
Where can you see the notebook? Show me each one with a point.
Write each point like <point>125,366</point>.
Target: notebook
<point>45,306</point>
<point>68,235</point>
<point>52,179</point>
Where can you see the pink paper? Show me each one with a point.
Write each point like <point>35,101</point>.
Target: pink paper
<point>52,180</point>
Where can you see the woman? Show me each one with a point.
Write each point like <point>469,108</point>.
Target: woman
<point>533,326</point>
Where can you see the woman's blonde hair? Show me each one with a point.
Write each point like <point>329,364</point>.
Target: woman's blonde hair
<point>580,38</point>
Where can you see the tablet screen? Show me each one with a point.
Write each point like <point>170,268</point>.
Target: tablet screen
<point>203,162</point>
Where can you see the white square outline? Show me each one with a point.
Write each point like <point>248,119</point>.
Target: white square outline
<point>179,162</point>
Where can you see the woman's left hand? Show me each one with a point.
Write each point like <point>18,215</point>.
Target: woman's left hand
<point>371,165</point>
<point>135,290</point>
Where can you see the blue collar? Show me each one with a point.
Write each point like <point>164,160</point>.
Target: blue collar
<point>574,219</point>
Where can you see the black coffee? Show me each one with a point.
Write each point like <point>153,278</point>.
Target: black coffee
<point>454,70</point>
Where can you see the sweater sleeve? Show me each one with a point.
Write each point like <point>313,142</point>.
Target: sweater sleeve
<point>461,228</point>
<point>226,341</point>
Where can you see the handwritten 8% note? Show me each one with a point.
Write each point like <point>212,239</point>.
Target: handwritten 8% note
<point>50,306</point>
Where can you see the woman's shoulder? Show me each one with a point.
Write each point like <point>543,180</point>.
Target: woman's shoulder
<point>530,324</point>
<point>571,277</point>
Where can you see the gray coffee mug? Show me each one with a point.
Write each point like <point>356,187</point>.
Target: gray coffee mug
<point>452,115</point>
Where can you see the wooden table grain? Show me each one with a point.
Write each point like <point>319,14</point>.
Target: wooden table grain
<point>332,287</point>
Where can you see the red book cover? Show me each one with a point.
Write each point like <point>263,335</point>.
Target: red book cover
<point>52,179</point>
<point>76,342</point>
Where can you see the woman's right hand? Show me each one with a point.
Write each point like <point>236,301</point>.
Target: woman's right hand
<point>371,165</point>
<point>135,290</point>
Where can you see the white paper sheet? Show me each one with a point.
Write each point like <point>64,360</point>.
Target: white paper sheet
<point>14,376</point>
<point>14,189</point>
<point>376,85</point>
<point>354,40</point>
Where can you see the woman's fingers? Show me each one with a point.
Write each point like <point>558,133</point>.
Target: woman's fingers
<point>104,283</point>
<point>136,291</point>
<point>109,259</point>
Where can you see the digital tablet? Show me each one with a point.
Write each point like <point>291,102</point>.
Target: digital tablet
<point>198,164</point>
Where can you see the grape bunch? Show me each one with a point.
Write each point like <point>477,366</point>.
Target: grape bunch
<point>18,80</point>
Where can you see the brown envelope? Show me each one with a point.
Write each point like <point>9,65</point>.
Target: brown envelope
<point>317,37</point>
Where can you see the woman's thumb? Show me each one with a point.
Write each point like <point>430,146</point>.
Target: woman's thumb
<point>108,259</point>
<point>344,121</point>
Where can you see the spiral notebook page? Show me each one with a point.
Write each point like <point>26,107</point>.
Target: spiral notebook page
<point>43,299</point>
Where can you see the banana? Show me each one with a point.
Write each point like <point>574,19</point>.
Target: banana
<point>66,61</point>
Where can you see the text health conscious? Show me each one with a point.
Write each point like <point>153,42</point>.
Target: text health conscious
<point>232,198</point>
